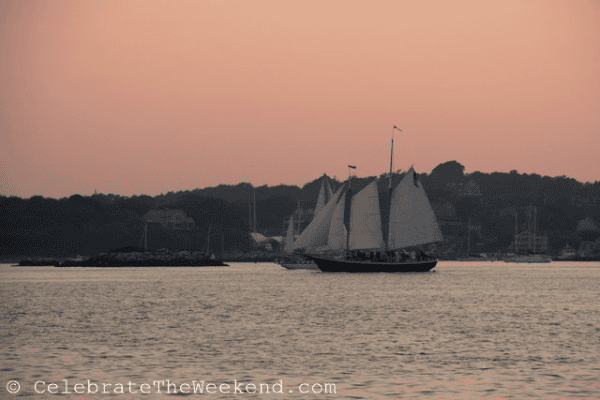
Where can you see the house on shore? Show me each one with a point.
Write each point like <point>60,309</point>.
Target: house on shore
<point>170,219</point>
<point>588,230</point>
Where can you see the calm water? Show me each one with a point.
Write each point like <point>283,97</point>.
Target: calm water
<point>465,331</point>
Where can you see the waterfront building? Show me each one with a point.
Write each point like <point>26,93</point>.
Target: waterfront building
<point>170,219</point>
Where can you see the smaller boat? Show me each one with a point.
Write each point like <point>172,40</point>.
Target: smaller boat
<point>297,261</point>
<point>290,259</point>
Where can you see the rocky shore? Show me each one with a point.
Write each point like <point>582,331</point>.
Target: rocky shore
<point>134,259</point>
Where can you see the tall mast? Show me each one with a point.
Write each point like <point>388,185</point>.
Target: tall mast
<point>254,210</point>
<point>300,213</point>
<point>392,159</point>
<point>146,237</point>
<point>534,223</point>
<point>516,229</point>
<point>348,199</point>
<point>469,242</point>
<point>390,190</point>
<point>349,205</point>
<point>325,196</point>
<point>208,240</point>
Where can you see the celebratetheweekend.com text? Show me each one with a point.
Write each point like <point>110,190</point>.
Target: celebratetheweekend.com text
<point>170,388</point>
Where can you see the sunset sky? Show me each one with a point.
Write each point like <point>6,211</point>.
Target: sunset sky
<point>148,96</point>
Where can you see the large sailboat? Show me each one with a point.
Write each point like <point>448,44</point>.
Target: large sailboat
<point>350,231</point>
<point>289,259</point>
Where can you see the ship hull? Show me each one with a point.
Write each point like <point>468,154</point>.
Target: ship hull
<point>297,261</point>
<point>307,265</point>
<point>331,265</point>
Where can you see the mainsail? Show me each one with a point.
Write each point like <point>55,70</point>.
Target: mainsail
<point>317,231</point>
<point>337,238</point>
<point>365,219</point>
<point>412,220</point>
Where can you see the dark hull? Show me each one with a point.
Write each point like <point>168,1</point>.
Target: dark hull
<point>296,261</point>
<point>329,265</point>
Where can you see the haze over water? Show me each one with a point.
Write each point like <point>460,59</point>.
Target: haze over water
<point>476,330</point>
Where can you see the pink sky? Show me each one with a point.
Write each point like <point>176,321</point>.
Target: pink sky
<point>150,96</point>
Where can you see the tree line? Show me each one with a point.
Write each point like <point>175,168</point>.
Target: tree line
<point>86,225</point>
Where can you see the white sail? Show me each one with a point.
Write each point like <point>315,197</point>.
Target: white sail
<point>316,232</point>
<point>325,194</point>
<point>321,199</point>
<point>328,191</point>
<point>412,221</point>
<point>365,219</point>
<point>289,237</point>
<point>337,238</point>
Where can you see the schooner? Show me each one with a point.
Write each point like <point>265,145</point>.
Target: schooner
<point>351,224</point>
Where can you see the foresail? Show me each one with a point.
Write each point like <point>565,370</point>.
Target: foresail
<point>412,220</point>
<point>321,199</point>
<point>337,238</point>
<point>316,232</point>
<point>365,219</point>
<point>328,191</point>
<point>289,237</point>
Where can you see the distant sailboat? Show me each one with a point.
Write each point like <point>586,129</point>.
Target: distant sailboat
<point>527,253</point>
<point>412,223</point>
<point>297,261</point>
<point>470,256</point>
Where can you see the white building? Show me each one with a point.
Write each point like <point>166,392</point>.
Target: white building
<point>170,219</point>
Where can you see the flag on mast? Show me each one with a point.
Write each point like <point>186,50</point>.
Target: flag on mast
<point>352,166</point>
